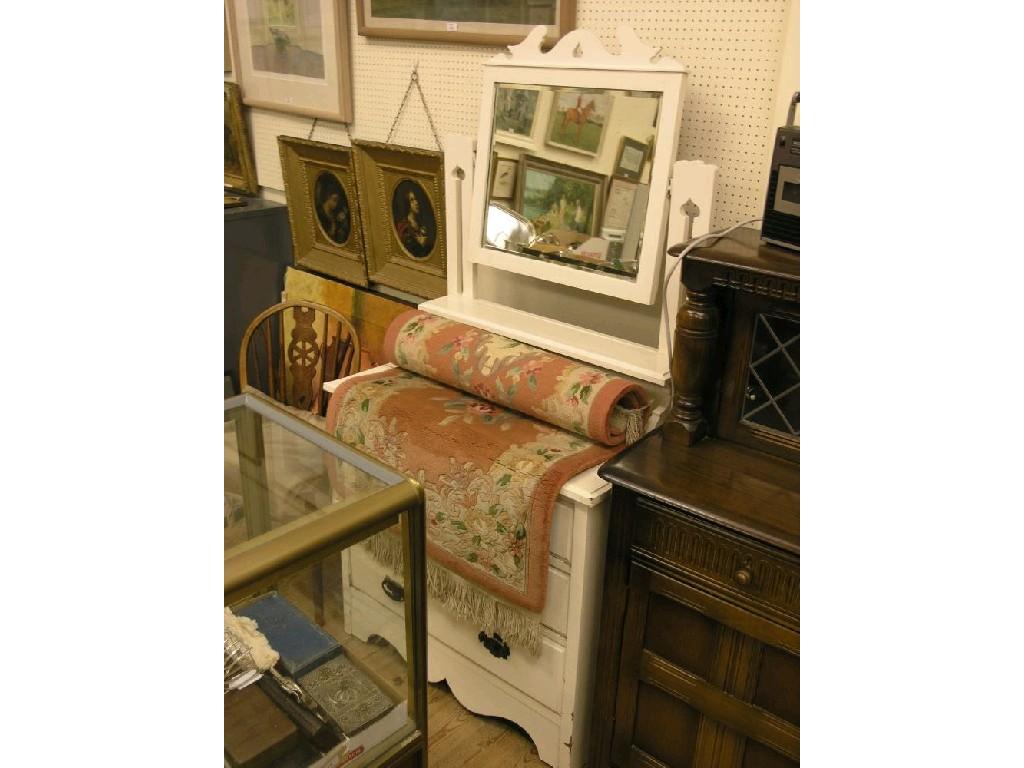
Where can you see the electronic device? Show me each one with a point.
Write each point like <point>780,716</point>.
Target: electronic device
<point>781,224</point>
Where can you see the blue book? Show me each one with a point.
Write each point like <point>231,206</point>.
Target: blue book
<point>302,644</point>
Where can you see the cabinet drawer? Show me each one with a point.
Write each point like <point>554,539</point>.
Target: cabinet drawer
<point>369,576</point>
<point>372,612</point>
<point>765,579</point>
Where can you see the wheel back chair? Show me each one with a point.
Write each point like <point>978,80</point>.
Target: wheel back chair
<point>292,348</point>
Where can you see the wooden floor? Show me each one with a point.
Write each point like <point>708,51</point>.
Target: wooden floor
<point>456,737</point>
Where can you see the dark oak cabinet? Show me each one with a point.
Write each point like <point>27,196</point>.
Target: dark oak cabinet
<point>699,647</point>
<point>699,653</point>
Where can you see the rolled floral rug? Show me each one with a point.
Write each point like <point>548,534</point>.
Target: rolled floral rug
<point>490,467</point>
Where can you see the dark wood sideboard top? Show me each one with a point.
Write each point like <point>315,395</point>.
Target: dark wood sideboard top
<point>728,484</point>
<point>744,250</point>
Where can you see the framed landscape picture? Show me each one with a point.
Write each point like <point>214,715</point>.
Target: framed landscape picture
<point>293,56</point>
<point>515,114</point>
<point>323,208</point>
<point>559,197</point>
<point>578,119</point>
<point>489,22</point>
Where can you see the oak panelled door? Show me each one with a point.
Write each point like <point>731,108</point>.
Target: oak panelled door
<point>702,682</point>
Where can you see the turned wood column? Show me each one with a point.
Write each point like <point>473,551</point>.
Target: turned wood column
<point>693,364</point>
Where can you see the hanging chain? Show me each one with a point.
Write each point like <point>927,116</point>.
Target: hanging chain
<point>414,79</point>
<point>313,128</point>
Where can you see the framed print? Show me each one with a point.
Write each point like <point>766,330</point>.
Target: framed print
<point>503,179</point>
<point>323,208</point>
<point>515,114</point>
<point>578,119</point>
<point>559,197</point>
<point>239,170</point>
<point>488,22</point>
<point>401,203</point>
<point>632,156</point>
<point>228,66</point>
<point>293,56</point>
<point>621,193</point>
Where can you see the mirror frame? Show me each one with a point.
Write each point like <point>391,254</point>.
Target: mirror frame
<point>581,61</point>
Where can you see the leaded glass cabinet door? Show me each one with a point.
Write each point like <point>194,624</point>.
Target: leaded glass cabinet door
<point>760,403</point>
<point>771,399</point>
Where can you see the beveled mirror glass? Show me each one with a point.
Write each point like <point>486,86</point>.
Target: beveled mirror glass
<point>574,154</point>
<point>575,163</point>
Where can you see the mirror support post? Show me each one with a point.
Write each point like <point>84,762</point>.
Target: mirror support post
<point>458,183</point>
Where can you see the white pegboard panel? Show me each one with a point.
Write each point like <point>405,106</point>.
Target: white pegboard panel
<point>731,48</point>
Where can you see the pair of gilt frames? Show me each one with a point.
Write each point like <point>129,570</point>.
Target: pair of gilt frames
<point>369,213</point>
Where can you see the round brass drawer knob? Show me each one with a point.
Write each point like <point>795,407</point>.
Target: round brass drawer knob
<point>742,577</point>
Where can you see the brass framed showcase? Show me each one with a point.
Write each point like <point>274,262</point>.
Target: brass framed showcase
<point>401,201</point>
<point>323,208</point>
<point>297,501</point>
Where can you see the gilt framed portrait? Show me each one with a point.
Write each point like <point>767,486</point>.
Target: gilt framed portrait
<point>401,202</point>
<point>323,208</point>
<point>559,197</point>
<point>294,56</point>
<point>239,170</point>
<point>487,22</point>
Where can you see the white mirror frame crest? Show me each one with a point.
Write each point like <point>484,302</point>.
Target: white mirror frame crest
<point>579,60</point>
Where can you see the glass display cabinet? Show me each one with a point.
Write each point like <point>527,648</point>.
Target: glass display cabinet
<point>299,689</point>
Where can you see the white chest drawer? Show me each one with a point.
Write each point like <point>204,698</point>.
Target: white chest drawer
<point>537,676</point>
<point>376,613</point>
<point>369,576</point>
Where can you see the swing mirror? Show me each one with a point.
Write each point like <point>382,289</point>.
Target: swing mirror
<point>583,166</point>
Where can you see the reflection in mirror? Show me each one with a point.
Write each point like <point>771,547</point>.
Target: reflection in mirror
<point>506,229</point>
<point>569,174</point>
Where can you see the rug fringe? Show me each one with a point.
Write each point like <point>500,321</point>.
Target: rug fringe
<point>517,627</point>
<point>636,419</point>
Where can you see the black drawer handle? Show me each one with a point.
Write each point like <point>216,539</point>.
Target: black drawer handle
<point>494,645</point>
<point>393,589</point>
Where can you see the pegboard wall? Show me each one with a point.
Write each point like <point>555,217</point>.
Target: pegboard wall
<point>732,50</point>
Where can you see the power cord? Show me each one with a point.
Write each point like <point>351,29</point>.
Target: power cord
<point>668,285</point>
